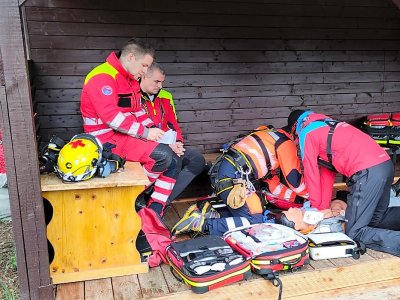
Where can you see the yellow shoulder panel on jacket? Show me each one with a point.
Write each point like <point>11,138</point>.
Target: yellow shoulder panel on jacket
<point>167,95</point>
<point>105,68</point>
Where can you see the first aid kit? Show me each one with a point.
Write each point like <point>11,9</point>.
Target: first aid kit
<point>270,248</point>
<point>206,263</point>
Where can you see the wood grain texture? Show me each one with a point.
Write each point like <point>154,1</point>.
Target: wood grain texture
<point>71,291</point>
<point>93,233</point>
<point>153,284</point>
<point>21,159</point>
<point>388,289</point>
<point>252,54</point>
<point>311,282</point>
<point>126,287</point>
<point>100,289</point>
<point>131,175</point>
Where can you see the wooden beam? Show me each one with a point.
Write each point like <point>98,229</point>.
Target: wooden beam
<point>376,290</point>
<point>21,160</point>
<point>322,282</point>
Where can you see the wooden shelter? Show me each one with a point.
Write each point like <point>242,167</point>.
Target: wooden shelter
<point>231,65</point>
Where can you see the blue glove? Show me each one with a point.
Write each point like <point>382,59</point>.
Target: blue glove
<point>268,217</point>
<point>307,206</point>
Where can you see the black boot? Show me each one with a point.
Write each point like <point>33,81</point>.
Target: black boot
<point>143,198</point>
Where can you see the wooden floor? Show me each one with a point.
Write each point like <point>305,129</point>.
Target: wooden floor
<point>375,275</point>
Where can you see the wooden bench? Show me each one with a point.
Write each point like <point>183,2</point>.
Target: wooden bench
<point>211,157</point>
<point>93,225</point>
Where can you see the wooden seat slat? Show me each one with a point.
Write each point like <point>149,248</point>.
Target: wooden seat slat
<point>131,175</point>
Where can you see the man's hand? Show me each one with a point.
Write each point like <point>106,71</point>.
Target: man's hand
<point>178,148</point>
<point>155,134</point>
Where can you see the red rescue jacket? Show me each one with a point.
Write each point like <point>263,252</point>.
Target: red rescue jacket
<point>161,111</point>
<point>110,101</point>
<point>352,151</point>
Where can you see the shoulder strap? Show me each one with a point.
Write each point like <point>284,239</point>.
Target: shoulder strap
<point>279,139</point>
<point>332,125</point>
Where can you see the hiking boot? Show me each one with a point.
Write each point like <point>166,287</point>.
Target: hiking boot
<point>207,210</point>
<point>193,219</point>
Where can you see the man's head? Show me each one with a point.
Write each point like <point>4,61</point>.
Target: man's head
<point>292,121</point>
<point>136,57</point>
<point>152,82</point>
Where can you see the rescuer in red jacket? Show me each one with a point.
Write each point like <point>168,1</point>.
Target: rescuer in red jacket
<point>159,105</point>
<point>328,146</point>
<point>111,111</point>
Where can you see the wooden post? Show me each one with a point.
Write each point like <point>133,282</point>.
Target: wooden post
<point>21,159</point>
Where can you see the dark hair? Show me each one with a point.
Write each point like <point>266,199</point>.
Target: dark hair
<point>342,195</point>
<point>138,47</point>
<point>292,119</point>
<point>154,66</point>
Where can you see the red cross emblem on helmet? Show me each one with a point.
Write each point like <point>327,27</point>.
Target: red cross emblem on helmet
<point>77,143</point>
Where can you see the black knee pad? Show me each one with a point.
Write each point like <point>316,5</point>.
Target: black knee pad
<point>175,167</point>
<point>162,155</point>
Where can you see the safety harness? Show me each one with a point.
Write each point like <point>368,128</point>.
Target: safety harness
<point>245,170</point>
<point>109,163</point>
<point>332,125</point>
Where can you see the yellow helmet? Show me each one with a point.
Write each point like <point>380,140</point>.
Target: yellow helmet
<point>78,160</point>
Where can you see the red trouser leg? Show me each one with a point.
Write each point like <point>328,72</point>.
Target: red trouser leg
<point>162,189</point>
<point>163,186</point>
<point>133,149</point>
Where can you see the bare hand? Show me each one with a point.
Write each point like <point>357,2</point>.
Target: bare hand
<point>155,134</point>
<point>178,148</point>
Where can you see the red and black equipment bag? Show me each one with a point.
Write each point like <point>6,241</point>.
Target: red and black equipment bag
<point>394,135</point>
<point>206,263</point>
<point>384,128</point>
<point>271,247</point>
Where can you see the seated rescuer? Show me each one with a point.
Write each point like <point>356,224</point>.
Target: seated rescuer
<point>159,106</point>
<point>250,160</point>
<point>328,146</point>
<point>111,111</point>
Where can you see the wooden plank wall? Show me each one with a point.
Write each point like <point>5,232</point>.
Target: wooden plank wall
<point>231,65</point>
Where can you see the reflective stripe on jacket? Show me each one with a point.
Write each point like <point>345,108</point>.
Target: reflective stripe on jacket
<point>110,100</point>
